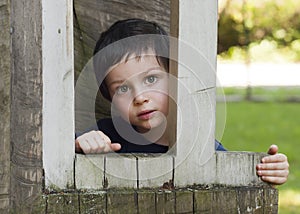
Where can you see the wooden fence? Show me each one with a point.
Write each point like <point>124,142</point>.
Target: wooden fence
<point>40,172</point>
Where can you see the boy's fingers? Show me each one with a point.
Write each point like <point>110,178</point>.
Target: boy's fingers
<point>84,145</point>
<point>274,158</point>
<point>77,147</point>
<point>273,150</point>
<point>104,136</point>
<point>95,142</point>
<point>274,180</point>
<point>108,146</point>
<point>273,166</point>
<point>273,173</point>
<point>115,146</point>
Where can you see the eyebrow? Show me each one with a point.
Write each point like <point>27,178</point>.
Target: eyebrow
<point>116,82</point>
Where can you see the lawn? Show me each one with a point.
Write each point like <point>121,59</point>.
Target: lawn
<point>254,126</point>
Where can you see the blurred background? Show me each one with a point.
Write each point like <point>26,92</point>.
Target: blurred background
<point>259,73</point>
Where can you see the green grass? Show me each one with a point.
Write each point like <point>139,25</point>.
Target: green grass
<point>255,126</point>
<point>264,93</point>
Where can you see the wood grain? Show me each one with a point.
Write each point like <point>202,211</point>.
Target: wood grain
<point>26,105</point>
<point>5,112</point>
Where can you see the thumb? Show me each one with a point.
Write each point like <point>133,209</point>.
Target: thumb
<point>273,150</point>
<point>115,146</point>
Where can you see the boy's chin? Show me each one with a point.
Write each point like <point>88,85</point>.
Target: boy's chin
<point>152,127</point>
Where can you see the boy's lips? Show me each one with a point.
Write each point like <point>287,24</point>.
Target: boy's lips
<point>146,114</point>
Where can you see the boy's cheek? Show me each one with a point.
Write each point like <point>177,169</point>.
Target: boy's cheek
<point>122,107</point>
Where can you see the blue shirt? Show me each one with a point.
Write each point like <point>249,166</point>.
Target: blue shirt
<point>219,146</point>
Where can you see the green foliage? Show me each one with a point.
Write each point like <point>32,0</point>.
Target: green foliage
<point>256,25</point>
<point>255,126</point>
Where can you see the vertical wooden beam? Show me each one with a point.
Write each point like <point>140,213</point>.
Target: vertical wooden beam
<point>5,60</point>
<point>173,71</point>
<point>42,130</point>
<point>58,94</point>
<point>26,105</point>
<point>196,91</point>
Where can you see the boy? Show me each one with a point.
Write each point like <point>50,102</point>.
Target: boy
<point>133,76</point>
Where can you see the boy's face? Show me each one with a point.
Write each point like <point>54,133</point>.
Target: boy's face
<point>139,91</point>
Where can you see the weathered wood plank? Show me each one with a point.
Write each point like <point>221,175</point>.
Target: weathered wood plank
<point>4,203</point>
<point>209,199</point>
<point>122,202</point>
<point>270,196</point>
<point>121,171</point>
<point>184,201</point>
<point>250,200</point>
<point>26,105</point>
<point>33,204</point>
<point>63,203</point>
<point>227,168</point>
<point>151,171</point>
<point>93,203</point>
<point>194,162</point>
<point>165,202</point>
<point>224,201</point>
<point>5,61</point>
<point>196,92</point>
<point>146,201</point>
<point>203,201</point>
<point>58,94</point>
<point>89,171</point>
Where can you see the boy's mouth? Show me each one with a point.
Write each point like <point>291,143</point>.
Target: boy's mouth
<point>145,115</point>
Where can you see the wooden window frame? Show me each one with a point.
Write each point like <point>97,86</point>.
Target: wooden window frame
<point>195,162</point>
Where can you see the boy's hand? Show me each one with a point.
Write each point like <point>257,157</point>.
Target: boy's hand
<point>274,168</point>
<point>95,142</point>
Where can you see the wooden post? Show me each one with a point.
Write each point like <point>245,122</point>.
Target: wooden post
<point>5,61</point>
<point>58,94</point>
<point>26,105</point>
<point>42,115</point>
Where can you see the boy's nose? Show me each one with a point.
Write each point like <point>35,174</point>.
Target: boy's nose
<point>140,99</point>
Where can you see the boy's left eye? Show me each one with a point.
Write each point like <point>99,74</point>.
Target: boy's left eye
<point>122,89</point>
<point>150,79</point>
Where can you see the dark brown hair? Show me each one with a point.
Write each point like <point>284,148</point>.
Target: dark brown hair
<point>124,39</point>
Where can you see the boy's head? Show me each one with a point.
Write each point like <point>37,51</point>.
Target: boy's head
<point>125,39</point>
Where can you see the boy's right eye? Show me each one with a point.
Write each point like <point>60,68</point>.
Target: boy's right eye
<point>122,89</point>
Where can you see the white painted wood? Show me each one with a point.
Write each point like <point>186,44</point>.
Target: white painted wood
<point>195,134</point>
<point>154,171</point>
<point>89,171</point>
<point>237,168</point>
<point>195,70</point>
<point>198,29</point>
<point>194,162</point>
<point>58,93</point>
<point>121,171</point>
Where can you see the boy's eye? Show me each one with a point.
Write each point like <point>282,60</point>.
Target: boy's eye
<point>122,89</point>
<point>150,79</point>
